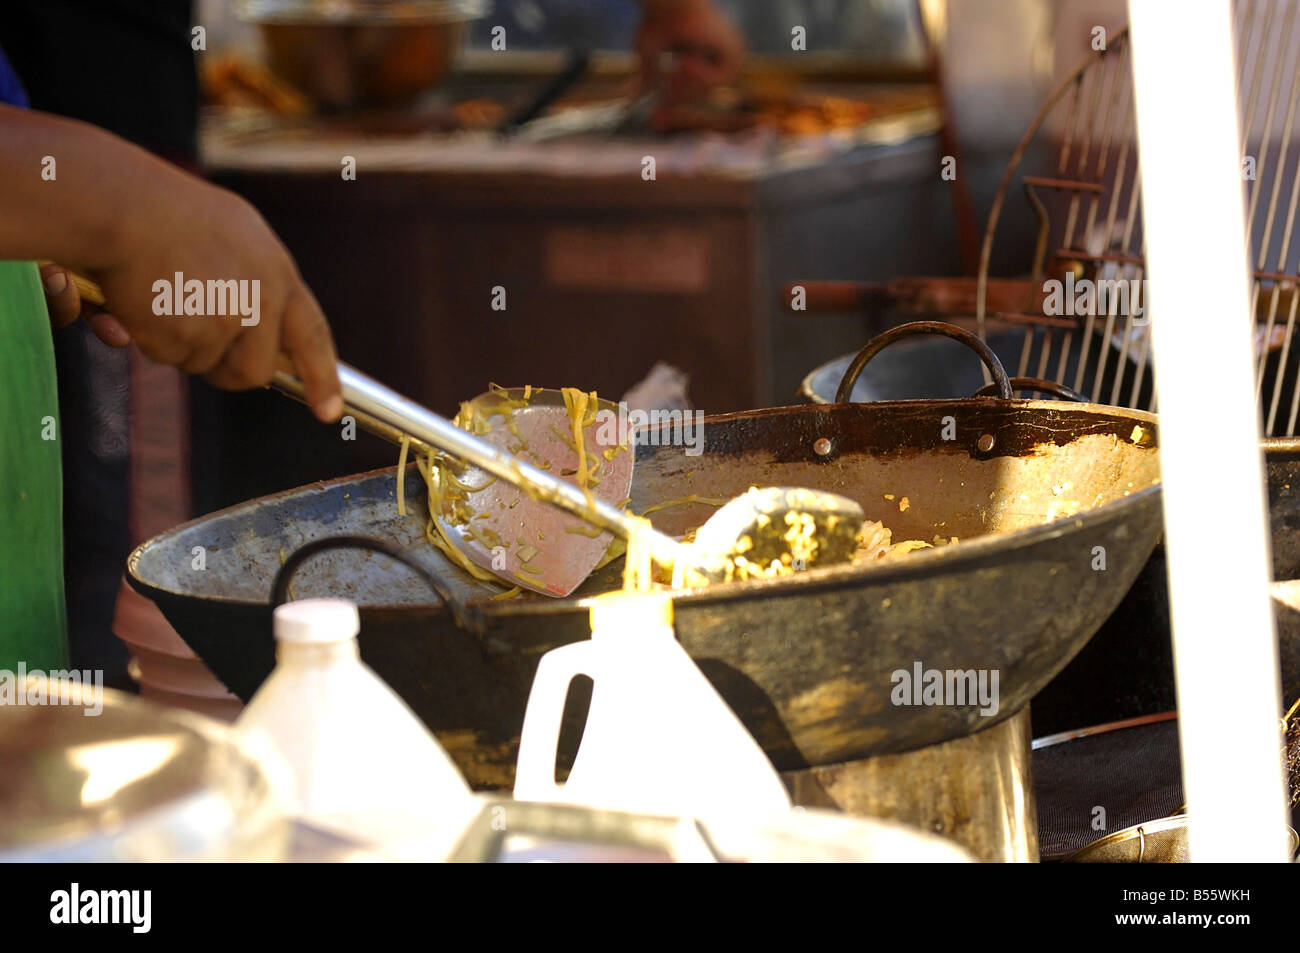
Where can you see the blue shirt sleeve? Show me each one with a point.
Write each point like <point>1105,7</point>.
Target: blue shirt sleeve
<point>11,90</point>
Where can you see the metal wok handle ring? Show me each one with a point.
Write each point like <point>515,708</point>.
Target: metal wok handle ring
<point>296,559</point>
<point>1035,384</point>
<point>882,341</point>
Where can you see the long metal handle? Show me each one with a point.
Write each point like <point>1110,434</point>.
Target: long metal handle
<point>365,396</point>
<point>390,415</point>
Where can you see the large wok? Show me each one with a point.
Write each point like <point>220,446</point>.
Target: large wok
<point>805,661</point>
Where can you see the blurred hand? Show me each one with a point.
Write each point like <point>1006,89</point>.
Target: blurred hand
<point>207,233</point>
<point>707,49</point>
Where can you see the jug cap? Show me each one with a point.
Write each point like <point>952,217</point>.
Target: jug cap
<point>625,610</point>
<point>316,621</point>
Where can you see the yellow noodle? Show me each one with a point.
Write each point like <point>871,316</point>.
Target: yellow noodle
<point>401,475</point>
<point>682,501</point>
<point>617,548</point>
<point>434,532</point>
<point>447,494</point>
<point>638,569</point>
<point>582,413</point>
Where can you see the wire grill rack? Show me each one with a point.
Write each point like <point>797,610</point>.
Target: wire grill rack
<point>1089,245</point>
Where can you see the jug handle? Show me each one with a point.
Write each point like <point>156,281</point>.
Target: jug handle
<point>539,740</point>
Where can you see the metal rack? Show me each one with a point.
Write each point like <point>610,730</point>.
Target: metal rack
<point>1090,222</point>
<point>1089,228</point>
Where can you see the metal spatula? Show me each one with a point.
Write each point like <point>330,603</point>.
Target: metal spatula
<point>528,543</point>
<point>532,497</point>
<point>767,521</point>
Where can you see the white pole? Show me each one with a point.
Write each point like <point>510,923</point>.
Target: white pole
<point>1214,501</point>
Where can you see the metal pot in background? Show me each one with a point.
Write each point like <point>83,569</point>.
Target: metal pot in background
<point>348,54</point>
<point>131,782</point>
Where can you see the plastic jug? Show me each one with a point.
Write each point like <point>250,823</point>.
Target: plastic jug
<point>361,763</point>
<point>659,739</point>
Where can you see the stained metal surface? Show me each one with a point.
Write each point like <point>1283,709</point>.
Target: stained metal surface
<point>805,660</point>
<point>1127,669</point>
<point>976,790</point>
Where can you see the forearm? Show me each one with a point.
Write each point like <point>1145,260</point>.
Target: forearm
<point>71,193</point>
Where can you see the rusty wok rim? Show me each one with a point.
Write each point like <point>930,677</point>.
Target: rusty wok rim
<point>973,549</point>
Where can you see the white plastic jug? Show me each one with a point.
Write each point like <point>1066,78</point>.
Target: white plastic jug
<point>360,761</point>
<point>659,738</point>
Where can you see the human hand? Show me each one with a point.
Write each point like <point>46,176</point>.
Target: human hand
<point>65,304</point>
<point>193,243</point>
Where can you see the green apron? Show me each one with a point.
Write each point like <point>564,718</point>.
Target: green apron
<point>33,625</point>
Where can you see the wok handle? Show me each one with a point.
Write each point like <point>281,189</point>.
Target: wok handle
<point>882,341</point>
<point>1035,384</point>
<point>280,588</point>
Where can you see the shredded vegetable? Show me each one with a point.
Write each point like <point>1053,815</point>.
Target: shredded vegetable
<point>582,407</point>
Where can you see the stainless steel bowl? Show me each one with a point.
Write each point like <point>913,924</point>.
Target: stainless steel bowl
<point>134,782</point>
<point>349,54</point>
